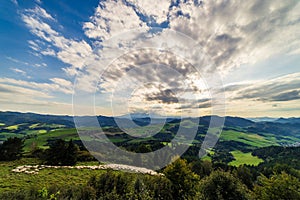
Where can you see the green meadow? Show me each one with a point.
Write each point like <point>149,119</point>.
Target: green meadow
<point>43,137</point>
<point>251,139</point>
<point>10,181</point>
<point>244,158</point>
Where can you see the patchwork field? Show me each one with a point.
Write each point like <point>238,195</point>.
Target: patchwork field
<point>234,138</point>
<point>43,137</point>
<point>251,139</point>
<point>244,158</point>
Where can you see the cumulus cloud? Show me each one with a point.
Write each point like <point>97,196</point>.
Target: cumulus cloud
<point>110,18</point>
<point>156,10</point>
<point>238,32</point>
<point>69,51</point>
<point>218,37</point>
<point>228,33</point>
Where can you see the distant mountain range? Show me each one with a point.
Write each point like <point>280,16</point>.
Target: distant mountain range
<point>237,134</point>
<point>263,119</point>
<point>12,118</point>
<point>291,120</point>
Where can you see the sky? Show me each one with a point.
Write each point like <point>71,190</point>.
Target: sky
<point>166,57</point>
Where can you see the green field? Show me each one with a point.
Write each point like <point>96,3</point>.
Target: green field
<point>14,127</point>
<point>2,124</point>
<point>43,137</point>
<point>10,181</point>
<point>206,158</point>
<point>145,130</point>
<point>34,126</point>
<point>246,138</point>
<point>244,158</point>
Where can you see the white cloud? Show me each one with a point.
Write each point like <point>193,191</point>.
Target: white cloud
<point>48,52</point>
<point>231,33</point>
<point>57,85</point>
<point>33,45</point>
<point>62,82</point>
<point>19,71</point>
<point>39,12</point>
<point>69,51</point>
<point>110,18</point>
<point>17,61</point>
<point>39,1</point>
<point>7,90</point>
<point>156,9</point>
<point>238,32</point>
<point>284,88</point>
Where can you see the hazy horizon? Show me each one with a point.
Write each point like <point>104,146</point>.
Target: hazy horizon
<point>40,113</point>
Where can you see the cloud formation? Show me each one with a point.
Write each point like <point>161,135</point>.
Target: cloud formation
<point>69,51</point>
<point>57,85</point>
<point>224,35</point>
<point>284,88</point>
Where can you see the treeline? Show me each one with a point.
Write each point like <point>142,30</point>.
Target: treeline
<point>60,152</point>
<point>186,178</point>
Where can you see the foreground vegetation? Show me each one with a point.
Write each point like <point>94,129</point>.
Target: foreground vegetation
<point>181,180</point>
<point>185,178</point>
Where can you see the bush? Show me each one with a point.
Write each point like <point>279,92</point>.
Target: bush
<point>62,153</point>
<point>184,181</point>
<point>222,185</point>
<point>11,149</point>
<point>278,186</point>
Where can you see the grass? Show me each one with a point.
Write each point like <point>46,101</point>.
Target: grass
<point>188,124</point>
<point>5,135</point>
<point>14,127</point>
<point>206,158</point>
<point>145,130</point>
<point>244,158</point>
<point>10,181</point>
<point>44,136</point>
<point>34,126</point>
<point>246,138</point>
<point>2,124</point>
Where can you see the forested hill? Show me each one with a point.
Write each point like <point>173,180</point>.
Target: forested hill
<point>283,129</point>
<point>12,118</point>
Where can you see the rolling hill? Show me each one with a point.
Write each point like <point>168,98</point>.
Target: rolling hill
<point>239,136</point>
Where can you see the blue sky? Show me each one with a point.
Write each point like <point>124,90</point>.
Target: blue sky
<point>119,58</point>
